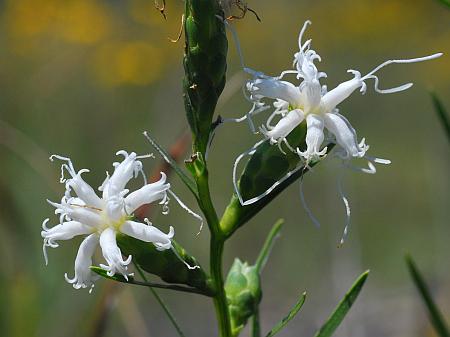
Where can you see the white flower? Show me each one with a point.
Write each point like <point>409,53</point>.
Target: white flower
<point>309,101</point>
<point>101,218</point>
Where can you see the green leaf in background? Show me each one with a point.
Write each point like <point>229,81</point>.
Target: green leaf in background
<point>294,311</point>
<point>433,311</point>
<point>343,307</point>
<point>166,264</point>
<point>183,176</point>
<point>445,2</point>
<point>441,112</point>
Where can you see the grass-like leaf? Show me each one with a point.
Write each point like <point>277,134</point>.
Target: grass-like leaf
<point>178,170</point>
<point>268,244</point>
<point>441,112</point>
<point>342,309</point>
<point>131,280</point>
<point>433,311</point>
<point>294,311</point>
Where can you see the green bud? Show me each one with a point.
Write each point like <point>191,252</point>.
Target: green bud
<point>243,290</point>
<point>205,66</point>
<point>165,264</point>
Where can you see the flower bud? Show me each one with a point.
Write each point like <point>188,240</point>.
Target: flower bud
<point>243,290</point>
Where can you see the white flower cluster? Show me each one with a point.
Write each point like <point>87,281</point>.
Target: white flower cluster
<point>101,218</point>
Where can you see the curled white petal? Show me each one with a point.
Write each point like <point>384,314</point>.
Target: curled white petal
<point>76,209</point>
<point>84,277</point>
<point>345,135</point>
<point>66,231</point>
<point>314,138</point>
<point>148,233</point>
<point>275,89</point>
<point>147,194</point>
<point>285,125</point>
<point>335,96</point>
<point>123,172</point>
<point>112,254</point>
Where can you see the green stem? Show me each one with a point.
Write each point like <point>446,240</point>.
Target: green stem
<point>216,251</point>
<point>256,327</point>
<point>161,303</point>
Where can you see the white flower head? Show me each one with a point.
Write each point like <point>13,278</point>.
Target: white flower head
<point>83,212</point>
<point>310,101</point>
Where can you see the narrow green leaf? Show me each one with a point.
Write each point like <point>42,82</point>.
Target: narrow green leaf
<point>433,311</point>
<point>268,244</point>
<point>131,280</point>
<point>441,112</point>
<point>294,311</point>
<point>163,304</point>
<point>183,176</point>
<point>343,307</point>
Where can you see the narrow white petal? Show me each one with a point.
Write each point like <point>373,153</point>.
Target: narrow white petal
<point>147,194</point>
<point>148,233</point>
<point>275,89</point>
<point>123,172</point>
<point>345,135</point>
<point>84,277</point>
<point>333,97</point>
<point>83,190</point>
<point>112,254</point>
<point>66,231</point>
<point>314,138</point>
<point>286,125</point>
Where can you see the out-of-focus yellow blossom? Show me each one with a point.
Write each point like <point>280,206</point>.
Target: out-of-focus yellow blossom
<point>78,21</point>
<point>137,63</point>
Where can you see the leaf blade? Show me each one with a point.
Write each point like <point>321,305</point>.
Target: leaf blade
<point>442,113</point>
<point>433,311</point>
<point>183,176</point>
<point>294,311</point>
<point>343,307</point>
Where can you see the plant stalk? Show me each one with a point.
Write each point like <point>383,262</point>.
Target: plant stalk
<point>217,243</point>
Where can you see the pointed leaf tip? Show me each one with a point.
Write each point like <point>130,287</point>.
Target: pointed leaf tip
<point>343,307</point>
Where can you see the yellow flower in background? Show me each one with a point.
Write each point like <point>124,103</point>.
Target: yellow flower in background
<point>84,22</point>
<point>75,21</point>
<point>137,63</point>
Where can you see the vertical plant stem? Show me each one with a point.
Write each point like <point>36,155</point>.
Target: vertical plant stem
<point>256,327</point>
<point>216,252</point>
<point>161,303</point>
<point>220,299</point>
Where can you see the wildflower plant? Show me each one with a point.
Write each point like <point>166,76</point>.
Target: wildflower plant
<point>303,127</point>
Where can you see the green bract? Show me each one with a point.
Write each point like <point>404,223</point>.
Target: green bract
<point>165,264</point>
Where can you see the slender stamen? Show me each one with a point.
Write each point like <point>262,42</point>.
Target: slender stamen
<point>187,209</point>
<point>300,37</point>
<point>305,205</point>
<point>347,209</point>
<point>371,75</point>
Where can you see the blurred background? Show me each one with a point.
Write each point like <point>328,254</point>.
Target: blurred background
<point>84,78</point>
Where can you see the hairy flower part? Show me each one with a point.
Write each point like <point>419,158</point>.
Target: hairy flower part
<point>311,102</point>
<point>83,212</point>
